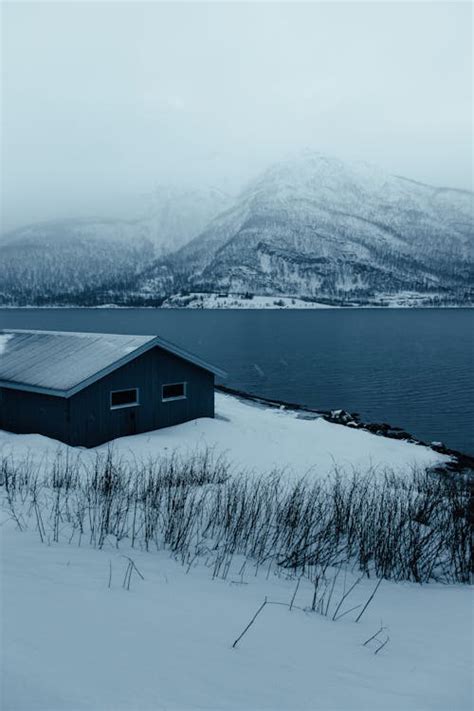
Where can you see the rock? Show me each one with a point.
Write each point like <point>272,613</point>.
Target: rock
<point>402,435</point>
<point>341,416</point>
<point>372,427</point>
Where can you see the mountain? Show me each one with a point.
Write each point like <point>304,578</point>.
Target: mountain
<point>318,227</point>
<point>313,227</point>
<point>173,216</point>
<point>71,260</point>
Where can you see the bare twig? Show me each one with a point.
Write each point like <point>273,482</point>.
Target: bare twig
<point>296,590</point>
<point>369,600</point>
<point>381,629</point>
<point>382,645</point>
<point>343,614</point>
<point>250,623</point>
<point>346,594</point>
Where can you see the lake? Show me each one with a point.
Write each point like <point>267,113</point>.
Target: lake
<point>408,367</point>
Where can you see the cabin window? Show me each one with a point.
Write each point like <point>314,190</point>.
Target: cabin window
<point>174,391</point>
<point>123,398</point>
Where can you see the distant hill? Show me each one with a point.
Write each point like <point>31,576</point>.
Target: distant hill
<point>72,259</point>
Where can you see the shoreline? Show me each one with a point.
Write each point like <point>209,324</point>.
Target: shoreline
<point>319,307</point>
<point>461,462</point>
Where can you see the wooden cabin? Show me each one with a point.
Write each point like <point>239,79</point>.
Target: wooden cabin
<point>88,388</point>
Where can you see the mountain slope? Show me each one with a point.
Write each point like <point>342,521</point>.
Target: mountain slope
<point>313,227</point>
<point>73,259</point>
<point>317,227</point>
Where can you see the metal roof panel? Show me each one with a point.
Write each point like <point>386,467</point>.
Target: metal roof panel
<point>63,362</point>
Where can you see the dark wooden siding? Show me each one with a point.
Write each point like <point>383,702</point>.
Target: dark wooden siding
<point>86,419</point>
<point>26,413</point>
<point>93,422</point>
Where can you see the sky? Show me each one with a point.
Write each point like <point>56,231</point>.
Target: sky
<point>102,101</point>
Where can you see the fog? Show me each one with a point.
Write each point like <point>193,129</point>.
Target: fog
<point>102,101</point>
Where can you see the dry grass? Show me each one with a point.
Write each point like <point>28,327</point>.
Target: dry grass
<point>411,527</point>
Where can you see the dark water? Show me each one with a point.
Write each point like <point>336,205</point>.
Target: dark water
<point>411,368</point>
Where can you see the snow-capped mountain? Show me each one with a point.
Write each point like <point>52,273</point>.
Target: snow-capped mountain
<point>313,227</point>
<point>319,227</point>
<point>74,258</point>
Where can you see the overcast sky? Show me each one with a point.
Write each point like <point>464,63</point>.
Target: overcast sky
<point>105,100</point>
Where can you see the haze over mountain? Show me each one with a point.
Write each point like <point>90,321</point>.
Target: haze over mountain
<point>60,258</point>
<point>101,100</point>
<point>311,226</point>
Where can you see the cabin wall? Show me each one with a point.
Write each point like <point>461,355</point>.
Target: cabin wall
<point>28,413</point>
<point>93,422</point>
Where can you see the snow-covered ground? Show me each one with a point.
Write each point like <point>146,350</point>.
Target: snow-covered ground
<point>200,300</point>
<point>69,642</point>
<point>256,439</point>
<point>72,637</point>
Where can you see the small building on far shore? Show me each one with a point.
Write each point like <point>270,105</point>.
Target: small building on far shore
<point>85,389</point>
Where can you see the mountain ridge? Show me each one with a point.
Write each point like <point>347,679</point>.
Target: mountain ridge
<point>311,226</point>
<point>351,228</point>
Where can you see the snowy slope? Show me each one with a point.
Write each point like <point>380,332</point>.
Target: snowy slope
<point>254,439</point>
<point>238,301</point>
<point>259,440</point>
<point>316,226</point>
<point>41,262</point>
<point>70,643</point>
<point>74,637</point>
<point>49,261</point>
<point>312,226</point>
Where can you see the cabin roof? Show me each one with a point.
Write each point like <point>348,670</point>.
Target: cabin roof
<point>62,363</point>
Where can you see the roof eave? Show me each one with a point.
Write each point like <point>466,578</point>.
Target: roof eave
<point>12,385</point>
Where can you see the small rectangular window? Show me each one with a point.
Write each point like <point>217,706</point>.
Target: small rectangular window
<point>174,391</point>
<point>123,398</point>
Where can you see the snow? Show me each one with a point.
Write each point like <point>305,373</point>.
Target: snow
<point>261,439</point>
<point>201,300</point>
<point>398,300</point>
<point>38,358</point>
<point>70,643</point>
<point>4,338</point>
<point>319,227</point>
<point>255,439</point>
